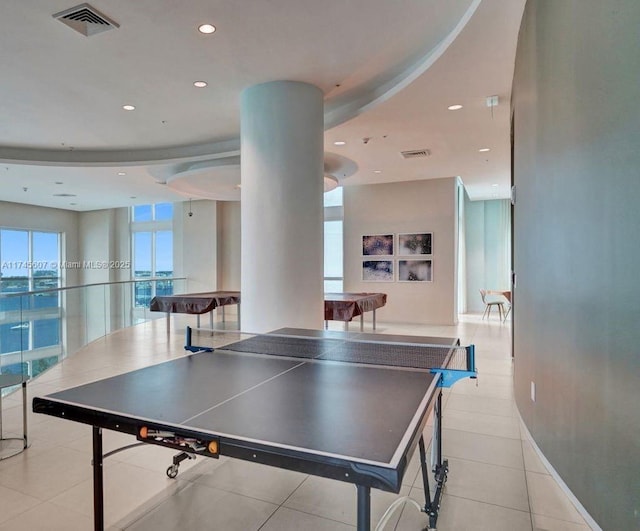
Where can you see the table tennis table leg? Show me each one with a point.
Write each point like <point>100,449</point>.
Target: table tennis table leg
<point>439,466</point>
<point>98,502</point>
<point>364,508</point>
<point>374,318</point>
<point>168,322</point>
<point>362,322</point>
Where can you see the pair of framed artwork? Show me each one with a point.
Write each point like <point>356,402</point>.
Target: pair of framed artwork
<point>411,267</point>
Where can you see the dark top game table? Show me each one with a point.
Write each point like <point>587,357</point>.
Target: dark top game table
<point>346,306</point>
<point>195,303</point>
<point>337,306</point>
<point>287,399</point>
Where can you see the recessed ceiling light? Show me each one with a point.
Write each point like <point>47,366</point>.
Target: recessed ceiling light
<point>456,107</point>
<point>64,195</point>
<point>59,182</point>
<point>377,171</point>
<point>73,204</point>
<point>122,173</point>
<point>495,185</point>
<point>339,143</point>
<point>206,28</point>
<point>200,84</point>
<point>132,197</point>
<point>128,107</point>
<point>484,150</point>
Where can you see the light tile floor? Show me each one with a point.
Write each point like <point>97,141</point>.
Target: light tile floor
<point>496,481</point>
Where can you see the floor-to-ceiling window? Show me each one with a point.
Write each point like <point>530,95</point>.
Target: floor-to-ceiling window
<point>333,259</point>
<point>30,262</point>
<point>152,240</point>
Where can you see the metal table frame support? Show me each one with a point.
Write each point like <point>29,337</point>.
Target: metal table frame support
<point>25,440</point>
<point>224,319</point>
<point>439,467</point>
<point>364,508</point>
<point>346,323</point>
<point>98,494</point>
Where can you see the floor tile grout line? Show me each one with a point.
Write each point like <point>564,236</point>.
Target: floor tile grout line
<point>487,503</point>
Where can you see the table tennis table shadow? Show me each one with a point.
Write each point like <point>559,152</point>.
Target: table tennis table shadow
<point>346,406</point>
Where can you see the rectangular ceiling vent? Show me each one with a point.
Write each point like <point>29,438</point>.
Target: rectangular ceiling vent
<point>415,154</point>
<point>86,19</point>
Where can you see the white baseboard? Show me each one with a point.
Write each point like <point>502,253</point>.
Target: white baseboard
<point>554,474</point>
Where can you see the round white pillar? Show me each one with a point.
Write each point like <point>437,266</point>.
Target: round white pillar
<point>282,162</point>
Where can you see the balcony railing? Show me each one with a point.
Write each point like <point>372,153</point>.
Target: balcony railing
<point>39,328</point>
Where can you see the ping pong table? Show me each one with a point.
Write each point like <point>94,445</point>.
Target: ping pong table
<point>346,306</point>
<point>195,303</point>
<point>342,405</point>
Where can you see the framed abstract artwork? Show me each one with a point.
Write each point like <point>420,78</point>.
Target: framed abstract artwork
<point>415,270</point>
<point>377,245</point>
<point>415,243</point>
<point>377,270</point>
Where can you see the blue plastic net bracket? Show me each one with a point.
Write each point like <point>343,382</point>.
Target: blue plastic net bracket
<point>448,377</point>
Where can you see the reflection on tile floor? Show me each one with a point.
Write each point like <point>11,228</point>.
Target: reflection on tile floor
<point>496,480</point>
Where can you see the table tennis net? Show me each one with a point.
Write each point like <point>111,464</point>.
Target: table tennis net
<point>386,353</point>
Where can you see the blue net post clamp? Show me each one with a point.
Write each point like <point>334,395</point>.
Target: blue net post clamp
<point>448,377</point>
<point>192,348</point>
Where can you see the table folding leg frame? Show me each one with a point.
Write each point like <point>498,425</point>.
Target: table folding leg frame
<point>439,467</point>
<point>98,493</point>
<point>224,317</point>
<point>210,318</point>
<point>97,463</point>
<point>364,508</point>
<point>346,323</point>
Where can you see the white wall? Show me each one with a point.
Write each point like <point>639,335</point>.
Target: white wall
<point>195,243</point>
<point>104,238</point>
<point>412,206</point>
<point>229,234</point>
<point>576,252</point>
<point>96,233</point>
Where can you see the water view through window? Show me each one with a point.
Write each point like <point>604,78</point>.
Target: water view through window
<point>29,261</point>
<point>152,242</point>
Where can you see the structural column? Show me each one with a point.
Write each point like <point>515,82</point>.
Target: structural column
<point>282,153</point>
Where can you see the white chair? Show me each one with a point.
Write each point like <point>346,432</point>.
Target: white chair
<point>491,301</point>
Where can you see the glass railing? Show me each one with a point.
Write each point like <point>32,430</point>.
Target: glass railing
<point>39,328</point>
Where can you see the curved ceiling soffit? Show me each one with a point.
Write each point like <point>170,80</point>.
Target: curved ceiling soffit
<point>342,109</point>
<point>339,166</point>
<point>219,179</point>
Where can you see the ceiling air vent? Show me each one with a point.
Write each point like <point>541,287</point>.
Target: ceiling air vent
<point>86,19</point>
<point>415,154</point>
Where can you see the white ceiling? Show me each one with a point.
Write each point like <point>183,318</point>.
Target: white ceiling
<point>388,70</point>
